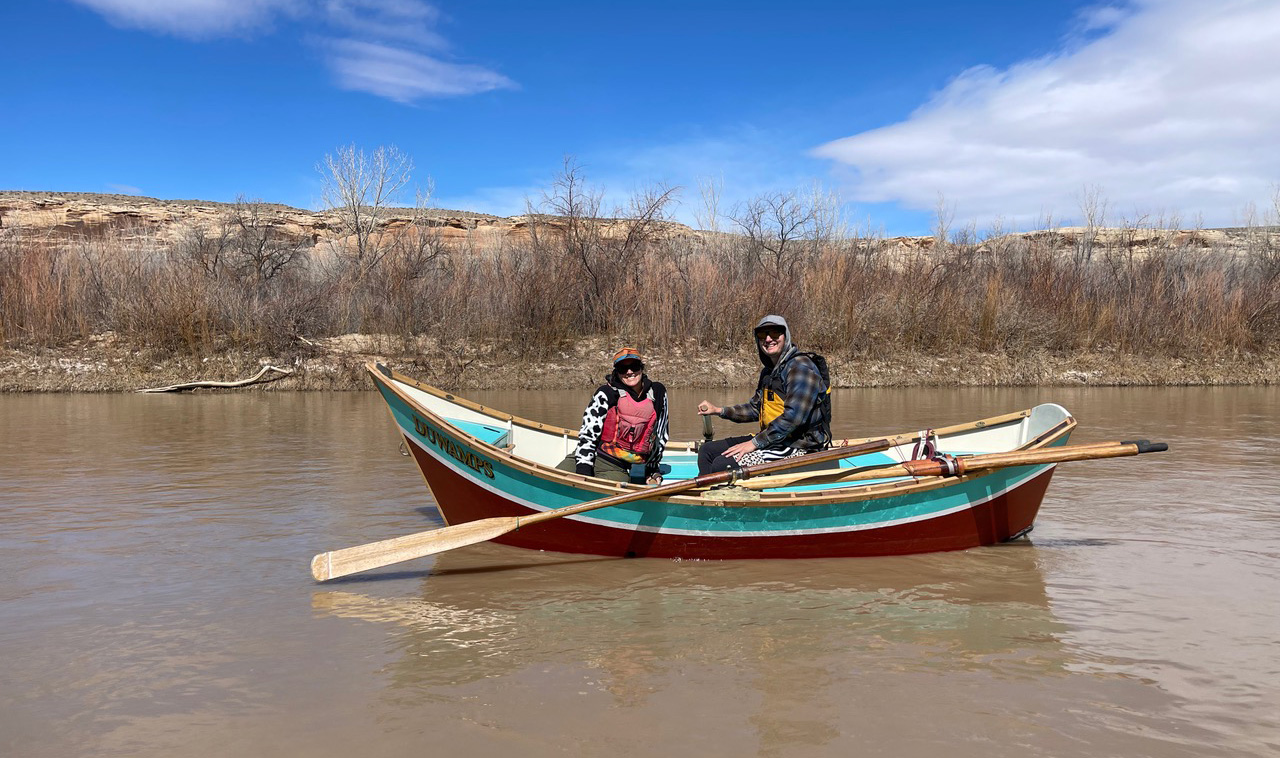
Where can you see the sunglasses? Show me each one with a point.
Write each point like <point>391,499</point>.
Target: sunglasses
<point>630,367</point>
<point>770,333</point>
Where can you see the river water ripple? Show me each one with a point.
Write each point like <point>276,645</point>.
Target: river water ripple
<point>157,600</point>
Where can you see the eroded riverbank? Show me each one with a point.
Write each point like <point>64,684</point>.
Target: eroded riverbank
<point>106,363</point>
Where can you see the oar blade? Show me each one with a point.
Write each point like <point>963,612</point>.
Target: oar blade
<point>353,560</point>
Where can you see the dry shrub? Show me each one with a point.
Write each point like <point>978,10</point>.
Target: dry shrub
<point>241,285</point>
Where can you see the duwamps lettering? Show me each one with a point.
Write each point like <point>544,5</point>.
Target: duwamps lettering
<point>465,457</point>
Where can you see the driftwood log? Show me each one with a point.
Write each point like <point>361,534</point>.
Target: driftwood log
<point>258,378</point>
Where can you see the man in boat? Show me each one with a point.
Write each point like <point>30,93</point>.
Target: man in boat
<point>792,404</point>
<point>624,424</point>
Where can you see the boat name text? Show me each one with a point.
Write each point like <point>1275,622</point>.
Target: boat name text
<point>462,455</point>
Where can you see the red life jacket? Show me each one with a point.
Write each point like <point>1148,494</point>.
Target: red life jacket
<point>628,429</point>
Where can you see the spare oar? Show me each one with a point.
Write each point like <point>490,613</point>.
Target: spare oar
<point>351,560</point>
<point>960,465</point>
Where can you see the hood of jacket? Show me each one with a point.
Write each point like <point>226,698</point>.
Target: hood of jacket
<point>788,342</point>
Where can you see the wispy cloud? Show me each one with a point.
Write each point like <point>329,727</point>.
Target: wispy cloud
<point>194,19</point>
<point>388,48</point>
<point>1164,106</point>
<point>403,75</point>
<point>408,20</point>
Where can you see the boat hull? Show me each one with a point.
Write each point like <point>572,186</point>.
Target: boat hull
<point>995,516</point>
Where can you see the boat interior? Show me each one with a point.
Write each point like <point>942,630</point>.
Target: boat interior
<point>546,445</point>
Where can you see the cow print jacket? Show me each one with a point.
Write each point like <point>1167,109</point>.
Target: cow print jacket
<point>605,398</point>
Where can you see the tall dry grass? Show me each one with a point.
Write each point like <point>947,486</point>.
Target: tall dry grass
<point>245,285</point>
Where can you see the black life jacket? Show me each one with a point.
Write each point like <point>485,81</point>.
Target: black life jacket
<point>771,399</point>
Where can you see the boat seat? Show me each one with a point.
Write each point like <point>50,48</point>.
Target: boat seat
<point>678,470</point>
<point>678,467</point>
<point>493,435</point>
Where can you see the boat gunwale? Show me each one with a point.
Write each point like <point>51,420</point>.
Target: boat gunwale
<point>854,492</point>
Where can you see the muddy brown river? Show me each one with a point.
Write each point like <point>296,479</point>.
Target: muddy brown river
<point>156,599</point>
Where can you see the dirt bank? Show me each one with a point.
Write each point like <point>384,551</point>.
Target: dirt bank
<point>106,363</point>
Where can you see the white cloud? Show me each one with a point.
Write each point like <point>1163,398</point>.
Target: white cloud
<point>192,18</point>
<point>403,75</point>
<point>409,20</point>
<point>381,48</point>
<point>1171,110</point>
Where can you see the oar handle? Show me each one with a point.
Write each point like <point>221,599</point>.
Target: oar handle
<point>1147,446</point>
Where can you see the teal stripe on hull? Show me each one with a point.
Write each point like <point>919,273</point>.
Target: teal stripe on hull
<point>730,520</point>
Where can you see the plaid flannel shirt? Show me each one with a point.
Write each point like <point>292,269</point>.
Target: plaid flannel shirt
<point>802,388</point>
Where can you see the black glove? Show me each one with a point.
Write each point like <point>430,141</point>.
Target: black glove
<point>585,469</point>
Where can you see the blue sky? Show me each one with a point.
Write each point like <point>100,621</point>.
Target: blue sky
<point>1000,112</point>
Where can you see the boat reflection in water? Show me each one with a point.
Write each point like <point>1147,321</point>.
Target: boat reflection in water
<point>795,643</point>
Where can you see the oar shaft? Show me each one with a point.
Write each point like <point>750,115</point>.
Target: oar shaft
<point>1057,455</point>
<point>966,464</point>
<point>710,480</point>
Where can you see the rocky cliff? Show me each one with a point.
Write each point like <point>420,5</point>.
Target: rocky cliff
<point>77,213</point>
<point>69,214</point>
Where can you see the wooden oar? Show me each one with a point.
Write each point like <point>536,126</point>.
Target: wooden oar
<point>351,560</point>
<point>964,464</point>
<point>875,471</point>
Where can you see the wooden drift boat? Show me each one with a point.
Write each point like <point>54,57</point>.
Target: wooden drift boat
<point>481,464</point>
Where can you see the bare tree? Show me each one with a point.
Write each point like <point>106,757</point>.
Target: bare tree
<point>644,216</point>
<point>944,215</point>
<point>1093,214</point>
<point>262,250</point>
<point>708,217</point>
<point>206,248</point>
<point>774,225</point>
<point>362,188</point>
<point>578,207</point>
<point>828,224</point>
<point>245,246</point>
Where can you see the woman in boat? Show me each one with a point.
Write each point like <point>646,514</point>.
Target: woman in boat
<point>624,424</point>
<point>792,404</point>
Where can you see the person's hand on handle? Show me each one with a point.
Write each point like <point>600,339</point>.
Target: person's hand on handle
<point>707,409</point>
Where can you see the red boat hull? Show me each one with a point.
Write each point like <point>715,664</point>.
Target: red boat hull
<point>998,519</point>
